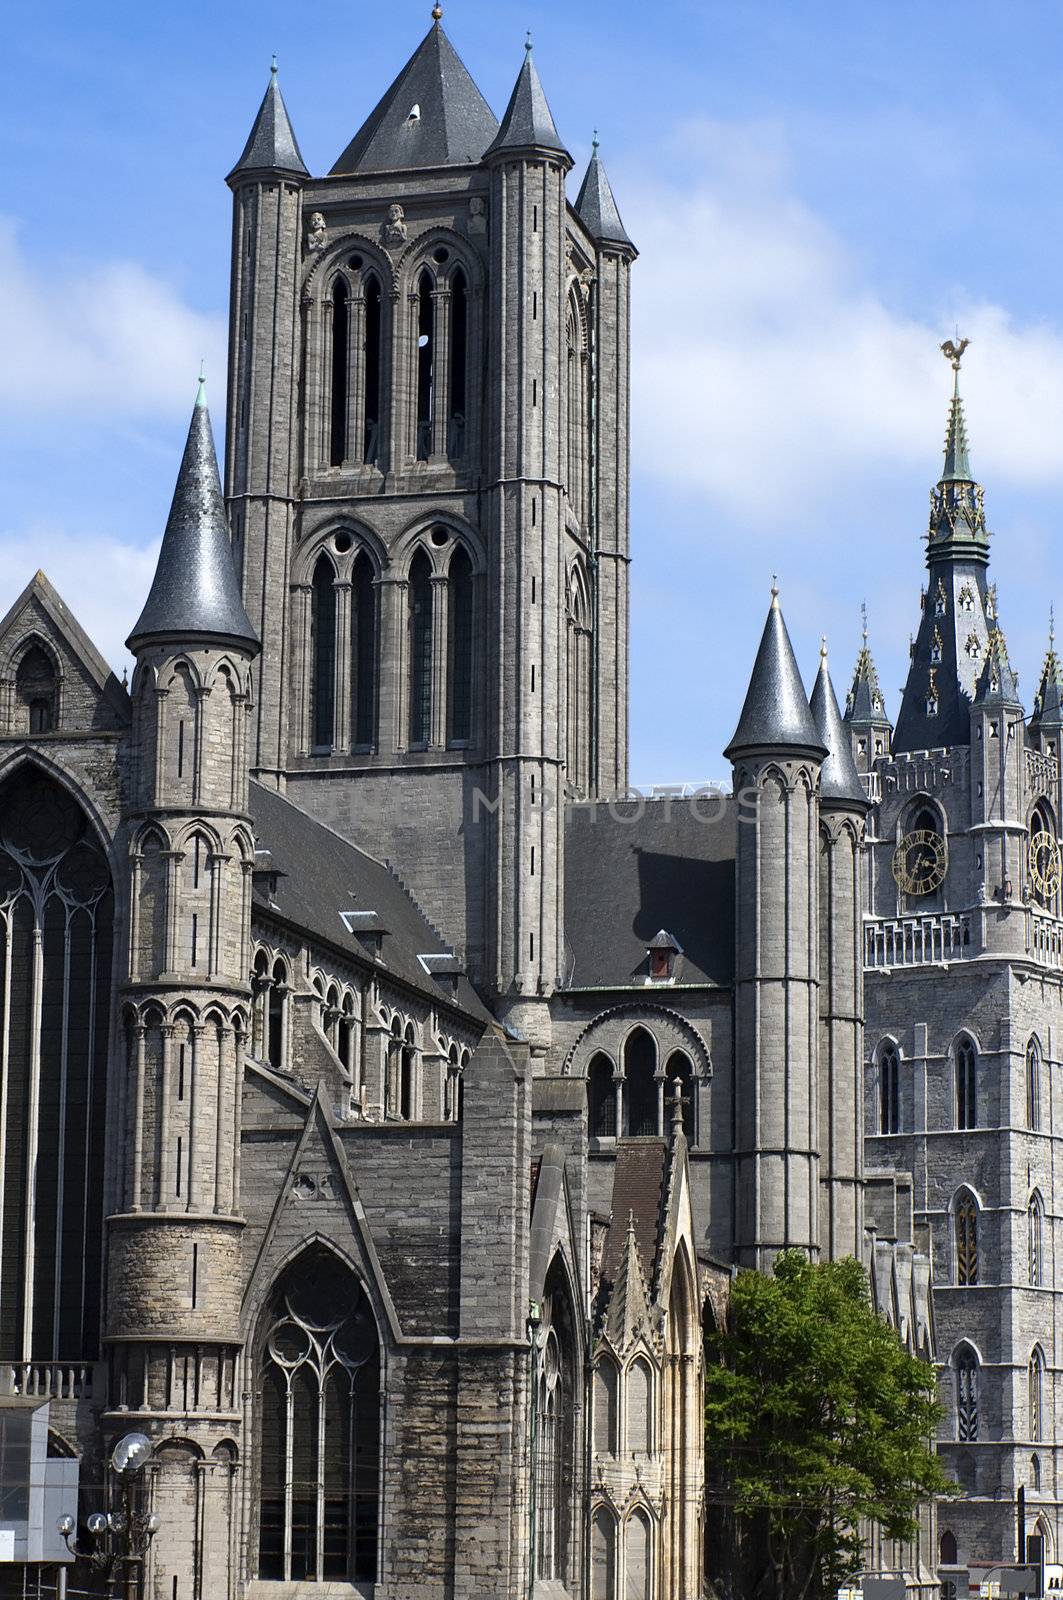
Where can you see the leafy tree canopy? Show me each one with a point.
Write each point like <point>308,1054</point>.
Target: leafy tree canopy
<point>817,1419</point>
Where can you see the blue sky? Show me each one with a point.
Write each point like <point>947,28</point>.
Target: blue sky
<point>820,193</point>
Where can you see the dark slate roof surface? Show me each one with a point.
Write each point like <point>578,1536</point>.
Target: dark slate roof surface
<point>324,875</point>
<point>632,868</point>
<point>776,713</point>
<point>596,207</point>
<point>454,125</point>
<point>271,144</point>
<point>528,122</point>
<point>639,1181</point>
<point>839,779</point>
<point>195,591</point>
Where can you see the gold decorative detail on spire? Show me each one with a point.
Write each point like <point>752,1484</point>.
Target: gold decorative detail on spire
<point>954,352</point>
<point>437,13</point>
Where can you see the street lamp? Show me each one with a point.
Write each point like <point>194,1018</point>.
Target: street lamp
<point>119,1538</point>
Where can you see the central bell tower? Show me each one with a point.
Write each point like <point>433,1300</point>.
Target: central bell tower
<point>427,468</point>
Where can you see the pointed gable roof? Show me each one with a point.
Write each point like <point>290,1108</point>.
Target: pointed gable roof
<point>433,115</point>
<point>528,122</point>
<point>998,682</point>
<point>839,780</point>
<point>1048,701</point>
<point>195,592</point>
<point>628,1311</point>
<point>596,207</point>
<point>271,144</point>
<point>864,702</point>
<point>776,714</point>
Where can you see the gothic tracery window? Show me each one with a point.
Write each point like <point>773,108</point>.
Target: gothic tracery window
<point>420,630</point>
<point>340,373</point>
<point>555,1431</point>
<point>578,672</point>
<point>889,1096</point>
<point>363,653</point>
<point>966,1218</point>
<point>601,1098</point>
<point>56,932</point>
<point>640,1084</point>
<point>966,1063</point>
<point>1035,1218</point>
<point>965,1366</point>
<point>1033,1086</point>
<point>1035,1392</point>
<point>323,684</point>
<point>318,1383</point>
<point>426,323</point>
<point>36,691</point>
<point>460,644</point>
<point>458,367</point>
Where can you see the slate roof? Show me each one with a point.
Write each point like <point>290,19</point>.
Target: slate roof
<point>776,714</point>
<point>321,875</point>
<point>528,122</point>
<point>839,780</point>
<point>1048,702</point>
<point>596,207</point>
<point>453,127</point>
<point>271,144</point>
<point>634,867</point>
<point>195,592</point>
<point>639,1182</point>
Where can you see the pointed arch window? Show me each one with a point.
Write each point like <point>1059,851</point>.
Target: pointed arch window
<point>948,1549</point>
<point>576,360</point>
<point>601,1098</point>
<point>603,1555</point>
<point>640,1085</point>
<point>1035,1392</point>
<point>555,1432</point>
<point>678,1069</point>
<point>1035,1226</point>
<point>36,690</point>
<point>340,373</point>
<point>420,627</point>
<point>966,1063</point>
<point>460,635</point>
<point>966,1220</point>
<point>458,364</point>
<point>426,340</point>
<point>318,1381</point>
<point>374,353</point>
<point>965,1368</point>
<point>1033,1086</point>
<point>889,1089</point>
<point>363,653</point>
<point>578,671</point>
<point>323,648</point>
<point>606,1406</point>
<point>277,1032</point>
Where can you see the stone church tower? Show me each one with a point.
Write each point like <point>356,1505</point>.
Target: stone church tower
<point>427,480</point>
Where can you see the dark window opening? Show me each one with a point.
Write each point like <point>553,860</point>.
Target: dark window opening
<point>324,652</point>
<point>889,1101</point>
<point>420,649</point>
<point>340,330</point>
<point>459,322</point>
<point>640,1085</point>
<point>373,330</point>
<point>363,612</point>
<point>426,319</point>
<point>679,1070</point>
<point>966,1085</point>
<point>601,1098</point>
<point>460,602</point>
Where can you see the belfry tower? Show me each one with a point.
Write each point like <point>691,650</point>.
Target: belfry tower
<point>174,1242</point>
<point>427,465</point>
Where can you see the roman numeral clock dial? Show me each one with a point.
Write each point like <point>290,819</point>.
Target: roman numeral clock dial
<point>920,862</point>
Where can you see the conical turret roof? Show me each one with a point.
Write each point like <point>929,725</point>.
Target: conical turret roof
<point>527,122</point>
<point>839,780</point>
<point>776,714</point>
<point>596,207</point>
<point>998,681</point>
<point>1048,701</point>
<point>271,145</point>
<point>433,115</point>
<point>195,593</point>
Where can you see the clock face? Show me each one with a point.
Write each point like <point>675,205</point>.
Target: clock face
<point>919,862</point>
<point>1045,866</point>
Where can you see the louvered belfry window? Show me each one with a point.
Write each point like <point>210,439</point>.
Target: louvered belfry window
<point>56,931</point>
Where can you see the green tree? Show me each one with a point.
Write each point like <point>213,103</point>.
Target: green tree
<point>817,1419</point>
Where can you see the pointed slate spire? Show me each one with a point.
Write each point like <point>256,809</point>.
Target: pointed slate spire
<point>433,115</point>
<point>596,207</point>
<point>272,145</point>
<point>997,682</point>
<point>864,702</point>
<point>1048,702</point>
<point>839,781</point>
<point>527,123</point>
<point>776,714</point>
<point>957,457</point>
<point>195,593</point>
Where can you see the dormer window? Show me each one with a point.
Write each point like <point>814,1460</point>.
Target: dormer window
<point>661,952</point>
<point>940,600</point>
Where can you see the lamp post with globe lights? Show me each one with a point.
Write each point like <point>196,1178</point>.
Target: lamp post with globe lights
<point>120,1539</point>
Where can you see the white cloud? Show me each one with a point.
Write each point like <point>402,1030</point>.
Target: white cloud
<point>108,337</point>
<point>767,374</point>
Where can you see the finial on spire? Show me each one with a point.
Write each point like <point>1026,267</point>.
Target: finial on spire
<point>823,648</point>
<point>863,620</point>
<point>594,142</point>
<point>437,13</point>
<point>273,65</point>
<point>775,589</point>
<point>528,43</point>
<point>201,392</point>
<point>1051,627</point>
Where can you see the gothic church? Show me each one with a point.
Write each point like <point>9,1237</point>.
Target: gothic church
<point>385,1096</point>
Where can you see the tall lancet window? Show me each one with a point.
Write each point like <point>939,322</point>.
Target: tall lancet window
<point>426,326</point>
<point>966,1213</point>
<point>374,327</point>
<point>555,1431</point>
<point>460,631</point>
<point>56,934</point>
<point>966,1085</point>
<point>323,650</point>
<point>578,672</point>
<point>966,1369</point>
<point>459,361</point>
<point>318,1376</point>
<point>36,692</point>
<point>889,1090</point>
<point>341,311</point>
<point>420,592</point>
<point>363,654</point>
<point>576,388</point>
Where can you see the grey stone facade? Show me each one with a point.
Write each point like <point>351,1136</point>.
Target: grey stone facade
<point>430,1086</point>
